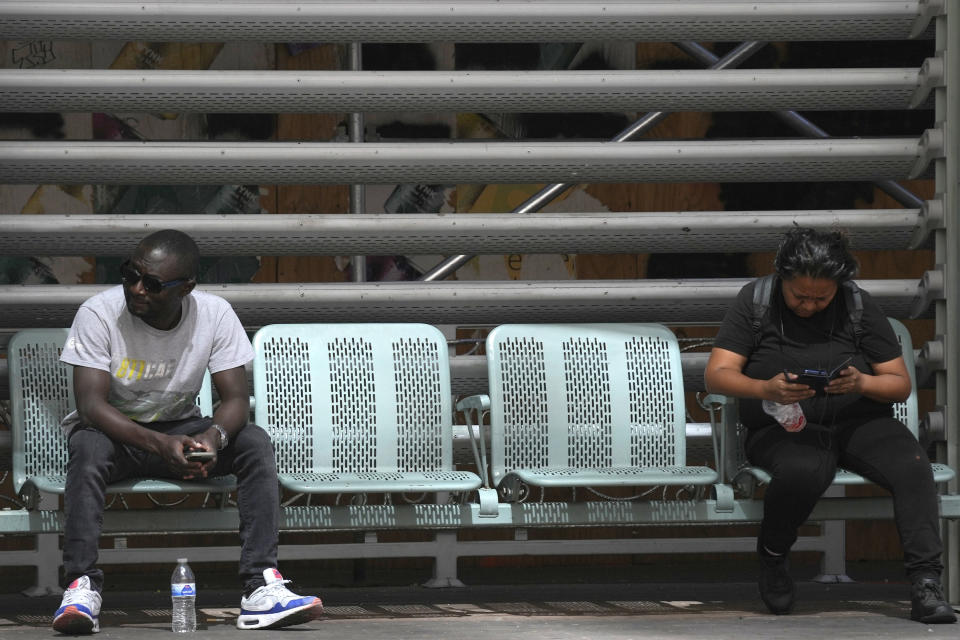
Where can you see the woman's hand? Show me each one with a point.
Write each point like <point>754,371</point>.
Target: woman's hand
<point>850,380</point>
<point>781,390</point>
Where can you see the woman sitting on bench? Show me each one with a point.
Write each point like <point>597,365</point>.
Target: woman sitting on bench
<point>808,337</point>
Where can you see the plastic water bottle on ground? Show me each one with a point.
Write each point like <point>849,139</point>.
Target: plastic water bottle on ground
<point>183,593</point>
<point>790,416</point>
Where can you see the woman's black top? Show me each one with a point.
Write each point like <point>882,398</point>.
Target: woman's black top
<point>822,341</point>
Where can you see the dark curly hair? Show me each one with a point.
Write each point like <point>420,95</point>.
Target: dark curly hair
<point>815,254</point>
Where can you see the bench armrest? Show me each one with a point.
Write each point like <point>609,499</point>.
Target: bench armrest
<point>479,402</point>
<point>474,407</point>
<point>724,431</point>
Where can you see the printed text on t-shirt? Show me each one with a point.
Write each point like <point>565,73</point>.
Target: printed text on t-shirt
<point>134,369</point>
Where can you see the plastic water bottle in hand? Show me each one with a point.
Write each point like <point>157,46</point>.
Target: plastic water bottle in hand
<point>183,593</point>
<point>790,416</point>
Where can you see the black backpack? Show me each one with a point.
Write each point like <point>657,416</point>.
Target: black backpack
<point>763,296</point>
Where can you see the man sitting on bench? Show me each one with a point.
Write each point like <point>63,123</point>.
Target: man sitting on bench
<point>139,353</point>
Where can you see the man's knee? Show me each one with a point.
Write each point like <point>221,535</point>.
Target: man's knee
<point>254,439</point>
<point>90,445</point>
<point>253,452</point>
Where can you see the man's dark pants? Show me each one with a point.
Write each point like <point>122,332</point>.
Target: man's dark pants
<point>96,460</point>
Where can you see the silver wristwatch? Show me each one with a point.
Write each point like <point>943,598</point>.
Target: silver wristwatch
<point>224,438</point>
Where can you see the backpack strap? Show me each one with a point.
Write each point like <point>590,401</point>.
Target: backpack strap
<point>762,296</point>
<point>854,302</point>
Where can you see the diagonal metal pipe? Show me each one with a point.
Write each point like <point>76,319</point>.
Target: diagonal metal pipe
<point>799,123</point>
<point>648,121</point>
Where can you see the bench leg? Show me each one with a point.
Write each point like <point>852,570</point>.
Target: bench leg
<point>833,565</point>
<point>445,561</point>
<point>48,556</point>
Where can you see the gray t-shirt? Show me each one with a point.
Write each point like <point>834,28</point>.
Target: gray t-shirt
<point>155,375</point>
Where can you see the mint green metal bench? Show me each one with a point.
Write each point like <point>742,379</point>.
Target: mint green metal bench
<point>745,476</point>
<point>586,405</point>
<point>41,394</point>
<point>358,408</point>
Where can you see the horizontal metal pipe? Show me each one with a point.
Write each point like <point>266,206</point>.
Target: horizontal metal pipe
<point>108,90</point>
<point>57,162</point>
<point>691,301</point>
<point>459,21</point>
<point>391,234</point>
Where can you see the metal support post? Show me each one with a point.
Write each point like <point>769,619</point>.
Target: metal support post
<point>48,555</point>
<point>833,563</point>
<point>948,253</point>
<point>445,561</point>
<point>357,195</point>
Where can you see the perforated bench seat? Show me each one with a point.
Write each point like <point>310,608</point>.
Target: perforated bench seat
<point>358,408</point>
<point>615,476</point>
<point>580,405</point>
<point>41,394</point>
<point>55,484</point>
<point>941,473</point>
<point>380,482</point>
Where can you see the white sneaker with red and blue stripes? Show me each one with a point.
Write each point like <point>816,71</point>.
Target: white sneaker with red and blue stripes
<point>273,605</point>
<point>79,611</point>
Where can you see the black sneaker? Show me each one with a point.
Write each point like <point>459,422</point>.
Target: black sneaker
<point>776,586</point>
<point>928,604</point>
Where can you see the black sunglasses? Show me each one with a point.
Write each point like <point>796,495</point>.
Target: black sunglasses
<point>151,284</point>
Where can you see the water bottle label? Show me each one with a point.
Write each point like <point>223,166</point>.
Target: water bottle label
<point>183,589</point>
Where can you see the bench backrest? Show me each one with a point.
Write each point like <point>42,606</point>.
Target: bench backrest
<point>354,398</point>
<point>41,395</point>
<point>907,411</point>
<point>585,396</point>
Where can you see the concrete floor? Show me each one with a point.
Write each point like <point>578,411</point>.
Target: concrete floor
<point>676,609</point>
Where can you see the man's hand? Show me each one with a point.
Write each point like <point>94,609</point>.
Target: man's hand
<point>174,450</point>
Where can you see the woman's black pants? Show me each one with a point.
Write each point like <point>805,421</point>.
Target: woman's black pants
<point>881,449</point>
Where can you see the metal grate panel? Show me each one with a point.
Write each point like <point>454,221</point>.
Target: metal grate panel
<point>44,397</point>
<point>353,413</point>
<point>289,403</point>
<point>525,414</point>
<point>419,405</point>
<point>114,90</point>
<point>388,234</point>
<point>45,162</point>
<point>586,370</point>
<point>463,21</point>
<point>653,441</point>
